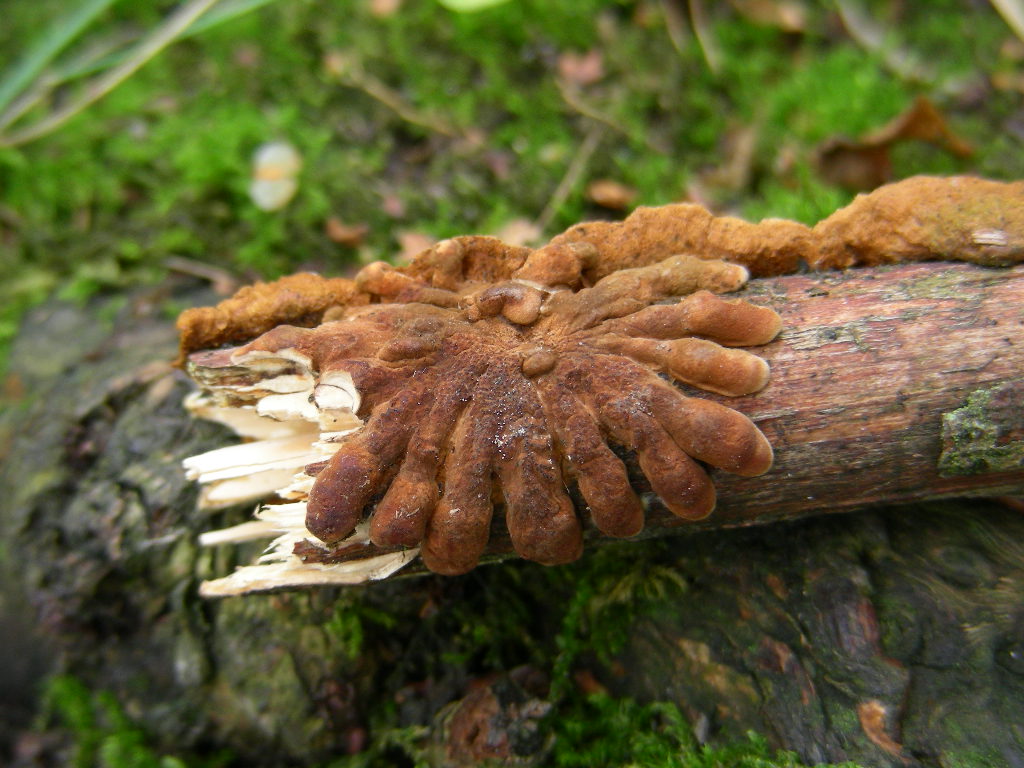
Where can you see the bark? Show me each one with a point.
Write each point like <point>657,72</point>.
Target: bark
<point>888,385</point>
<point>890,637</point>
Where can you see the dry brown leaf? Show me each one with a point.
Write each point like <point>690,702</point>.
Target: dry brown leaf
<point>412,243</point>
<point>382,9</point>
<point>738,147</point>
<point>873,715</point>
<point>520,232</point>
<point>392,205</point>
<point>351,235</point>
<point>865,163</point>
<point>581,69</point>
<point>611,194</point>
<point>787,15</point>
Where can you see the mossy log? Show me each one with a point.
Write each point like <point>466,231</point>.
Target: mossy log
<point>891,637</point>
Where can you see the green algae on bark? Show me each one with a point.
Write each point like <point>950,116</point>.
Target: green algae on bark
<point>986,435</point>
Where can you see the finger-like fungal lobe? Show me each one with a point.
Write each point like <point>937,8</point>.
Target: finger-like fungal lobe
<point>428,406</point>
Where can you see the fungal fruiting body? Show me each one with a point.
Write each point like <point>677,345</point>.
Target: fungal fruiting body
<point>415,411</point>
<point>432,407</point>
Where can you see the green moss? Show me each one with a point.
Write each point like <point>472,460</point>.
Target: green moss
<point>610,591</point>
<point>599,730</point>
<point>350,619</point>
<point>978,438</point>
<point>972,759</point>
<point>102,736</point>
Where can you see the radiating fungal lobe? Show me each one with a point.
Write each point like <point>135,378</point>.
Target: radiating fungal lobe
<point>510,396</point>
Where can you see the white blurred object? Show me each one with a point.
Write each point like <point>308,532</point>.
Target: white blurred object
<point>275,166</point>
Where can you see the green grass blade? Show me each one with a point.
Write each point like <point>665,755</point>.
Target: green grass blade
<point>1013,12</point>
<point>154,42</point>
<point>468,6</point>
<point>63,31</point>
<point>225,12</point>
<point>79,67</point>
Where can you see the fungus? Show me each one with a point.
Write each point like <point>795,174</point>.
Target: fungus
<point>405,412</point>
<point>512,392</point>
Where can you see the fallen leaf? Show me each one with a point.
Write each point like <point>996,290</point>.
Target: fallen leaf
<point>581,69</point>
<point>500,163</point>
<point>738,146</point>
<point>520,232</point>
<point>13,388</point>
<point>787,15</point>
<point>382,9</point>
<point>873,716</point>
<point>392,205</point>
<point>587,683</point>
<point>865,163</point>
<point>611,194</point>
<point>411,243</point>
<point>339,232</point>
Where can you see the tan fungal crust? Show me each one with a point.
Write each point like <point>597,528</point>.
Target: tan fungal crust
<point>924,217</point>
<point>300,299</point>
<point>485,380</point>
<point>963,218</point>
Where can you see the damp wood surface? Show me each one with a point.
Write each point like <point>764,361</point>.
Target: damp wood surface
<point>868,377</point>
<point>867,366</point>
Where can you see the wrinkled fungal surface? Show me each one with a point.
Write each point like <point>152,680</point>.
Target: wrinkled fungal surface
<point>396,414</point>
<point>509,395</point>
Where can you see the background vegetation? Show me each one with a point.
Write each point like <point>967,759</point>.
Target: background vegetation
<point>413,119</point>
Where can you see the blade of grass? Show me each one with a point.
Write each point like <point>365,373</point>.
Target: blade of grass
<point>111,54</point>
<point>705,38</point>
<point>90,59</point>
<point>227,11</point>
<point>148,47</point>
<point>52,42</point>
<point>81,66</point>
<point>1012,12</point>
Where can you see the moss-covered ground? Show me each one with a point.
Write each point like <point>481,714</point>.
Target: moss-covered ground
<point>411,118</point>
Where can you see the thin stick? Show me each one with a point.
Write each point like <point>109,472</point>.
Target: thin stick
<point>706,41</point>
<point>872,37</point>
<point>151,45</point>
<point>223,282</point>
<point>572,175</point>
<point>375,89</point>
<point>571,96</point>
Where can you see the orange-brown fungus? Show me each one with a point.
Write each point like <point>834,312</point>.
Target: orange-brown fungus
<point>512,392</point>
<point>498,378</point>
